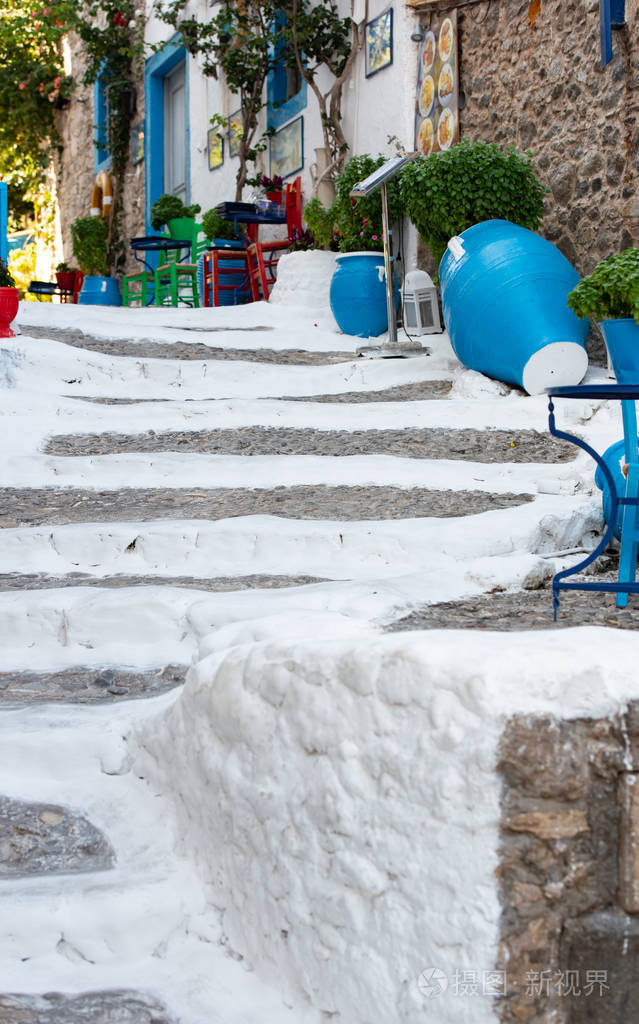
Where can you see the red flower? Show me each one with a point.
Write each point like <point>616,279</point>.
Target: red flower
<point>119,19</point>
<point>22,86</point>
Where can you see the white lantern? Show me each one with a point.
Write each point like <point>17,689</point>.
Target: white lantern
<point>420,305</point>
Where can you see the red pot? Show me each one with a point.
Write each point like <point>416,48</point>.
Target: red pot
<point>66,279</point>
<point>9,303</point>
<point>275,196</point>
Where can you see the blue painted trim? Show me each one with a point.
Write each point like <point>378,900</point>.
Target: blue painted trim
<point>4,218</point>
<point>156,69</point>
<point>612,14</point>
<point>101,155</point>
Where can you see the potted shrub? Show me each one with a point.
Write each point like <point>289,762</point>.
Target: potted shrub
<point>272,187</point>
<point>9,301</point>
<point>446,193</point>
<point>179,219</point>
<point>89,238</point>
<point>610,295</point>
<point>354,227</point>
<point>218,230</point>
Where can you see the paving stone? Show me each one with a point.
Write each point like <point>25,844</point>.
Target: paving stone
<point>218,584</point>
<point>35,507</point>
<point>149,349</point>
<point>86,685</point>
<point>117,1006</point>
<point>485,446</point>
<point>45,839</point>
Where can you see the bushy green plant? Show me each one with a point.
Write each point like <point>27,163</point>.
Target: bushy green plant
<point>167,208</point>
<point>354,224</point>
<point>6,278</point>
<point>214,226</point>
<point>445,193</point>
<point>611,292</point>
<point>89,237</point>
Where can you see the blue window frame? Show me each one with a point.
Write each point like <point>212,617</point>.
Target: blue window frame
<point>612,14</point>
<point>156,69</point>
<point>286,93</point>
<point>101,155</point>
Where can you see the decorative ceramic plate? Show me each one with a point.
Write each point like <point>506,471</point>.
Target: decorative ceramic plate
<point>446,84</point>
<point>446,40</point>
<point>445,128</point>
<point>426,96</point>
<point>429,51</point>
<point>426,137</point>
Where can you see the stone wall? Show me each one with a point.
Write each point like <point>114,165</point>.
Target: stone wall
<point>536,81</point>
<point>569,870</point>
<point>73,168</point>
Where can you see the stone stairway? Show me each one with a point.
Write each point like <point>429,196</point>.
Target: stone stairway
<point>105,927</point>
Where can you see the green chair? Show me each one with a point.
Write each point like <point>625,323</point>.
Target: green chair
<point>135,288</point>
<point>175,282</point>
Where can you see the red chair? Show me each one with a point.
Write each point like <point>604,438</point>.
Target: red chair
<point>220,265</point>
<point>263,257</point>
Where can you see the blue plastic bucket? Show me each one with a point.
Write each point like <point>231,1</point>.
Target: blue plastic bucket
<point>504,296</point>
<point>622,342</point>
<point>358,294</point>
<point>614,457</point>
<point>100,291</point>
<point>240,292</point>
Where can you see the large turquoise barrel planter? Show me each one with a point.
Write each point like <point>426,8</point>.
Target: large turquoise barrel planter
<point>100,291</point>
<point>622,342</point>
<point>358,294</point>
<point>504,292</point>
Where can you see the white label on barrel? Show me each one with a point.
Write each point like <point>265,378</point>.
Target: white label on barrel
<point>456,246</point>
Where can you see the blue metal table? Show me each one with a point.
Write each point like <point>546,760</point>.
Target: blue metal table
<point>157,243</point>
<point>626,583</point>
<point>248,213</point>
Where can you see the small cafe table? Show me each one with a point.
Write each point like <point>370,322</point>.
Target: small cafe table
<point>626,582</point>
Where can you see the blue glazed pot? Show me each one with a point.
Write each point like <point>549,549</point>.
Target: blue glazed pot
<point>622,342</point>
<point>358,294</point>
<point>504,303</point>
<point>100,291</point>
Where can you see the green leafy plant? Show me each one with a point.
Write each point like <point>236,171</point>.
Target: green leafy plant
<point>89,235</point>
<point>611,292</point>
<point>6,278</point>
<point>353,225</point>
<point>214,227</point>
<point>63,268</point>
<point>169,207</point>
<point>445,193</point>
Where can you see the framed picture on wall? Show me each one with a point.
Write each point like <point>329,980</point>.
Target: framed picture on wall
<point>286,149</point>
<point>215,149</point>
<point>378,42</point>
<point>235,133</point>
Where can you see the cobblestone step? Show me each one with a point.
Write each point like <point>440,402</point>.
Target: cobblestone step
<point>186,350</point>
<point>35,507</point>
<point>117,1006</point>
<point>86,686</point>
<point>484,446</point>
<point>220,584</point>
<point>526,610</point>
<point>418,392</point>
<point>44,839</point>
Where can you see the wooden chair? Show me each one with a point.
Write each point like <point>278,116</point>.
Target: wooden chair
<point>137,288</point>
<point>174,281</point>
<point>226,270</point>
<point>262,257</point>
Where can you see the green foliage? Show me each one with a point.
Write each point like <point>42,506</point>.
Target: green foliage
<point>445,193</point>
<point>22,264</point>
<point>214,227</point>
<point>169,207</point>
<point>32,87</point>
<point>611,292</point>
<point>6,278</point>
<point>354,224</point>
<point>89,236</point>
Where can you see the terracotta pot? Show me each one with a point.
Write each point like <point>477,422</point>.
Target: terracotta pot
<point>9,303</point>
<point>275,196</point>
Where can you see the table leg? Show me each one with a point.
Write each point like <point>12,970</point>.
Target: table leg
<point>630,521</point>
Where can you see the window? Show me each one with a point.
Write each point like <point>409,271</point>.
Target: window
<point>286,89</point>
<point>102,156</point>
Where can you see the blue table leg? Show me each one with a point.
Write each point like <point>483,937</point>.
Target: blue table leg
<point>630,522</point>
